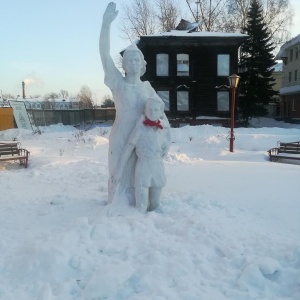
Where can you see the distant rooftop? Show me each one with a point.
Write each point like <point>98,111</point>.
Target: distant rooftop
<point>287,45</point>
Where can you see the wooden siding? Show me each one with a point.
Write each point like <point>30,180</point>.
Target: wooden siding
<point>202,79</point>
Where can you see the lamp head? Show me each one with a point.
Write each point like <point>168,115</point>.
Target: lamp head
<point>234,81</point>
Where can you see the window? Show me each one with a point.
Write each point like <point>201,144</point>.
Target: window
<point>297,52</point>
<point>182,101</point>
<point>291,54</point>
<point>162,64</point>
<point>223,101</point>
<point>183,68</point>
<point>223,65</point>
<point>290,76</point>
<point>296,75</point>
<point>165,96</point>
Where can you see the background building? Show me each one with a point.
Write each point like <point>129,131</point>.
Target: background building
<point>290,89</point>
<point>185,67</point>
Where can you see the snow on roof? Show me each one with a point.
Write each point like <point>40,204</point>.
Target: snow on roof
<point>197,34</point>
<point>290,90</point>
<point>292,42</point>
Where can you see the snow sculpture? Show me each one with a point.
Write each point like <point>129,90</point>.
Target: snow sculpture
<point>129,94</point>
<point>150,139</point>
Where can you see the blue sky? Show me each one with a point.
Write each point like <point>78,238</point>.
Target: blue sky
<point>53,45</point>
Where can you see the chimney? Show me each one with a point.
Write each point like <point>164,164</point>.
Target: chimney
<point>23,89</point>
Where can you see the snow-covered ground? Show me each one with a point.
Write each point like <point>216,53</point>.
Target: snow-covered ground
<point>227,228</point>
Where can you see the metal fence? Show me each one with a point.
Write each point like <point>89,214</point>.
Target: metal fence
<point>45,117</point>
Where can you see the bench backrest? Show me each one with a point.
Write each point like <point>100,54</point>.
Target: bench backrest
<point>292,148</point>
<point>9,149</point>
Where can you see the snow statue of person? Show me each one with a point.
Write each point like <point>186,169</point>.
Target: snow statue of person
<point>129,94</point>
<point>150,140</point>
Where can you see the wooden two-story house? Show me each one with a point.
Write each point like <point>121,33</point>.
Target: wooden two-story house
<point>185,67</point>
<point>289,92</point>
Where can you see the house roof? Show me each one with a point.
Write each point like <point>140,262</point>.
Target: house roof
<point>289,90</point>
<point>292,42</point>
<point>194,38</point>
<point>187,33</point>
<point>202,37</point>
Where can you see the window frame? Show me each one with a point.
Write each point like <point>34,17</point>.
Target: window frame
<point>222,104</point>
<point>291,54</point>
<point>168,65</point>
<point>167,107</point>
<point>187,101</point>
<point>183,64</point>
<point>220,64</point>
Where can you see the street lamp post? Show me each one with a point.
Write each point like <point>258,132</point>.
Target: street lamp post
<point>233,83</point>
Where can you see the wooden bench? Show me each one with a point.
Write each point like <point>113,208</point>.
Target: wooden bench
<point>12,151</point>
<point>285,151</point>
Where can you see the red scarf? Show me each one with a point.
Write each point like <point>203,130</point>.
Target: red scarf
<point>157,123</point>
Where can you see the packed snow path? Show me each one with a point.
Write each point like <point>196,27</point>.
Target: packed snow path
<point>227,228</point>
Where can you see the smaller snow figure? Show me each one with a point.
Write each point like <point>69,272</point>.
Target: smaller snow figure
<point>150,139</point>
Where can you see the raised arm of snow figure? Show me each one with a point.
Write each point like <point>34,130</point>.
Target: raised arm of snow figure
<point>104,44</point>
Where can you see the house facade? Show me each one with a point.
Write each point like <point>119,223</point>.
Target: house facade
<point>289,53</point>
<point>274,105</point>
<point>185,68</point>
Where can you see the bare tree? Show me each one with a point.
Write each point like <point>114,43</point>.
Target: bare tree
<point>279,16</point>
<point>8,96</point>
<point>237,12</point>
<point>107,101</point>
<point>211,14</point>
<point>231,15</point>
<point>64,93</point>
<point>168,15</point>
<point>144,17</point>
<point>138,19</point>
<point>141,17</point>
<point>85,97</point>
<point>51,96</point>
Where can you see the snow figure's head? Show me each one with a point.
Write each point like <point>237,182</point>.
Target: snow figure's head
<point>133,60</point>
<point>154,108</point>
